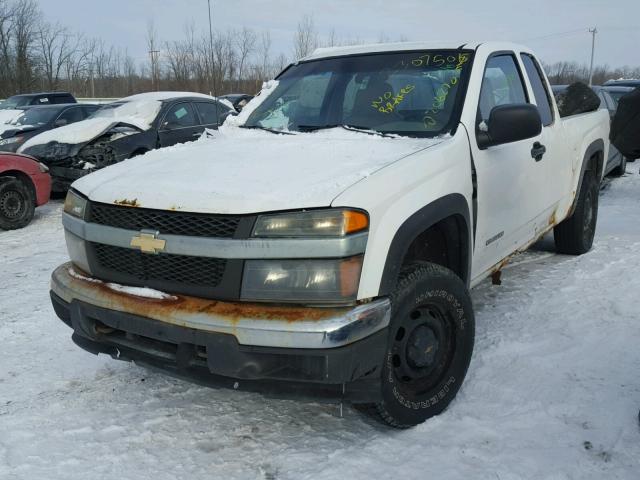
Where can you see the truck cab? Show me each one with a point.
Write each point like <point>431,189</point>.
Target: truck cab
<point>330,248</point>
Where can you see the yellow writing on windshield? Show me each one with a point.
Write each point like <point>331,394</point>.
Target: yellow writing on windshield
<point>388,101</point>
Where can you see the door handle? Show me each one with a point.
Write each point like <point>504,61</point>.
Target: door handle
<point>537,151</point>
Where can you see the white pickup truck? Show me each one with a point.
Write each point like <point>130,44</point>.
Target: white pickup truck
<point>324,241</point>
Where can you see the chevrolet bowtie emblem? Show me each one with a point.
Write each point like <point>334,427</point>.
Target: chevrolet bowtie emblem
<point>148,243</point>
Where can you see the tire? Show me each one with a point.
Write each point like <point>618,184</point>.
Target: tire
<point>17,205</point>
<point>430,345</point>
<point>574,236</point>
<point>620,169</point>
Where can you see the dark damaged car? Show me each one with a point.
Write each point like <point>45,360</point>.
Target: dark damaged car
<point>124,129</point>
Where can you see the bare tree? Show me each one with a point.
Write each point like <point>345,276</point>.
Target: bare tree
<point>245,41</point>
<point>57,47</point>
<point>305,39</point>
<point>25,22</point>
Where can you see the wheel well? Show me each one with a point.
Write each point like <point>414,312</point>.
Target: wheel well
<point>444,243</point>
<point>139,151</point>
<point>23,177</point>
<point>596,163</point>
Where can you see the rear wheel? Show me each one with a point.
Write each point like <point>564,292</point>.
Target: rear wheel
<point>17,205</point>
<point>574,236</point>
<point>430,345</point>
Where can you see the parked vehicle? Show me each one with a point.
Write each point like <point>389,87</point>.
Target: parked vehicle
<point>616,162</point>
<point>35,120</point>
<point>617,92</point>
<point>631,82</point>
<point>238,100</point>
<point>129,127</point>
<point>24,185</point>
<point>326,240</point>
<point>44,98</point>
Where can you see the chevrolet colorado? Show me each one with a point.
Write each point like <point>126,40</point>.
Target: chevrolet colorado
<point>324,241</point>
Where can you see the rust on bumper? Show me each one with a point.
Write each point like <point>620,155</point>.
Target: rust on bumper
<point>251,323</point>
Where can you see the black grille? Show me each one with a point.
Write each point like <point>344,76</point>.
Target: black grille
<point>167,222</point>
<point>153,269</point>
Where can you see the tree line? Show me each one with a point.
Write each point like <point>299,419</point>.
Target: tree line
<point>38,55</point>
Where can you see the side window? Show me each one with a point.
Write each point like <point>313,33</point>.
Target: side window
<point>501,85</point>
<point>209,113</point>
<point>89,110</point>
<point>61,99</point>
<point>71,115</point>
<point>540,92</point>
<point>179,116</point>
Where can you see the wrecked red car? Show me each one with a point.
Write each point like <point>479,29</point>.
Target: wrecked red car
<point>24,185</point>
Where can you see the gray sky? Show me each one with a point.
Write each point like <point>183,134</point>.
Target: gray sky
<point>123,23</point>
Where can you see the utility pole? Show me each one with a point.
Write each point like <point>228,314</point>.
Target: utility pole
<point>213,70</point>
<point>593,32</point>
<point>154,68</point>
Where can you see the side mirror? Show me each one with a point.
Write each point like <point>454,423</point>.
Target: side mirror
<point>510,123</point>
<point>169,125</point>
<point>61,122</point>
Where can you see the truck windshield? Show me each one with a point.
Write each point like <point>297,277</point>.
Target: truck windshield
<point>404,93</point>
<point>14,102</point>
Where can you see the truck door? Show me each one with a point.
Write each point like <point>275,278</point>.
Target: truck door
<point>510,182</point>
<point>179,125</point>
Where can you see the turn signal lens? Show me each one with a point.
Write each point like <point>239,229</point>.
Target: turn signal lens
<point>354,221</point>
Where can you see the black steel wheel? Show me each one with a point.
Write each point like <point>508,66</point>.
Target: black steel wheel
<point>574,235</point>
<point>17,205</point>
<point>430,345</point>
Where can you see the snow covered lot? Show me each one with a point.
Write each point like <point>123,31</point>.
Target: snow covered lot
<point>553,391</point>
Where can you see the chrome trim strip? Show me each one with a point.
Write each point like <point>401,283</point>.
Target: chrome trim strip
<point>342,327</point>
<point>254,248</point>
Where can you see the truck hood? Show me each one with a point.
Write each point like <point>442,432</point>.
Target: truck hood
<point>80,133</point>
<point>241,171</point>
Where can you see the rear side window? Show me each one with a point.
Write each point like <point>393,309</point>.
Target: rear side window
<point>501,85</point>
<point>62,99</point>
<point>210,113</point>
<point>540,92</point>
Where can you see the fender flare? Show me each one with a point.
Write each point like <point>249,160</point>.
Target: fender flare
<point>595,147</point>
<point>453,204</point>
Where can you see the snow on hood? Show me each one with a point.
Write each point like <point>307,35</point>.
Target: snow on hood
<point>76,133</point>
<point>7,115</point>
<point>247,171</point>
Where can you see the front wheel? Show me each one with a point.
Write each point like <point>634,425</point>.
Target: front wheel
<point>574,236</point>
<point>430,345</point>
<point>16,204</point>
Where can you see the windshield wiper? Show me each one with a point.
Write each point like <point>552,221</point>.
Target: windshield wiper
<point>267,129</point>
<point>351,128</point>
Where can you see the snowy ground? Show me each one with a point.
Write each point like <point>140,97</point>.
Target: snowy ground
<point>553,391</point>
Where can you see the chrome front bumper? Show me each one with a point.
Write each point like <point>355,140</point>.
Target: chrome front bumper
<point>254,324</point>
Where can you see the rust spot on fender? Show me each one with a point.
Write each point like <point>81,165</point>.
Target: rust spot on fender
<point>174,307</point>
<point>496,277</point>
<point>128,203</point>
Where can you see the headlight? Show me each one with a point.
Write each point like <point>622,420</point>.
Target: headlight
<point>301,281</point>
<point>75,205</point>
<point>333,222</point>
<point>9,141</point>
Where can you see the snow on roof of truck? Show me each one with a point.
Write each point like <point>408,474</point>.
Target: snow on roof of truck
<point>407,46</point>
